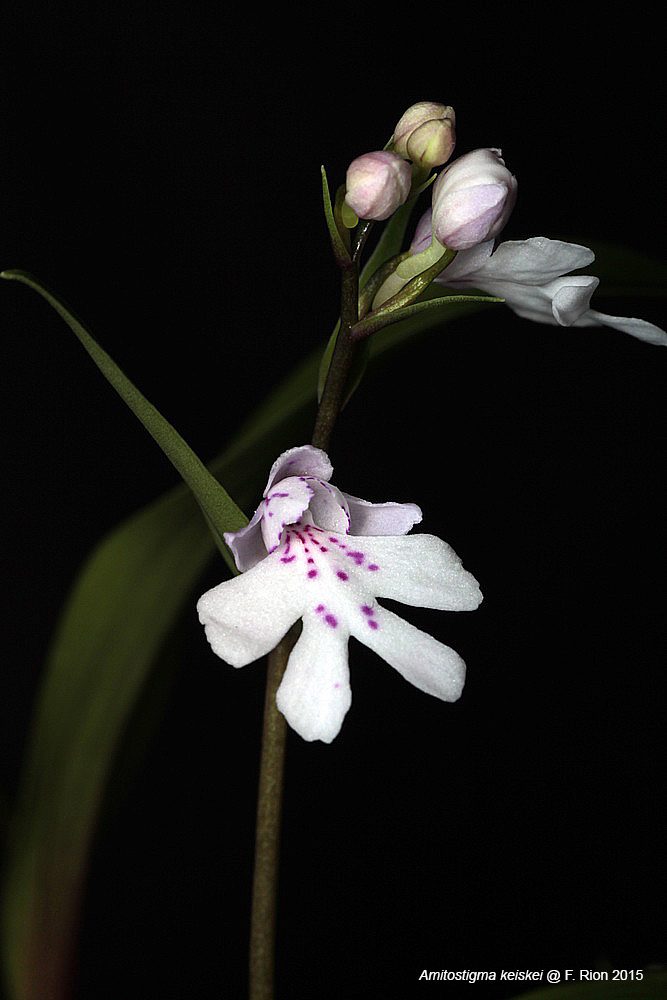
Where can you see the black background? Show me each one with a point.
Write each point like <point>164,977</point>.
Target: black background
<point>160,169</point>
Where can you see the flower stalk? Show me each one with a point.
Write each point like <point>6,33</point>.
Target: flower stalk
<point>272,761</point>
<point>333,394</point>
<point>267,837</point>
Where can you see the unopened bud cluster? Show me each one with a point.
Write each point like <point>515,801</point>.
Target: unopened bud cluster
<point>472,198</point>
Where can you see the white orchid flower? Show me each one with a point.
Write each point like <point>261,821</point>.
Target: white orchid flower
<point>314,553</point>
<point>531,275</point>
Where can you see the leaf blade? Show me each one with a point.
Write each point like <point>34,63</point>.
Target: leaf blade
<point>220,511</point>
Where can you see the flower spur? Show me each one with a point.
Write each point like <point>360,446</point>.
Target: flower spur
<point>314,553</point>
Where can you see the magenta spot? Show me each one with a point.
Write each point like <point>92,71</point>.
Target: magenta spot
<point>366,610</point>
<point>330,620</point>
<point>278,495</point>
<point>334,541</point>
<point>373,624</point>
<point>341,575</point>
<point>306,550</point>
<point>270,513</point>
<point>373,566</point>
<point>287,558</point>
<point>336,685</point>
<point>357,556</point>
<point>320,607</point>
<point>311,560</point>
<point>312,573</point>
<point>323,549</point>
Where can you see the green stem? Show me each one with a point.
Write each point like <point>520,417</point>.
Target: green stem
<point>264,893</point>
<point>267,837</point>
<point>336,381</point>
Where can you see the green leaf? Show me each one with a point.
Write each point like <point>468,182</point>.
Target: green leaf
<point>219,509</point>
<point>441,304</point>
<point>652,987</point>
<point>116,620</point>
<point>341,252</point>
<point>121,608</point>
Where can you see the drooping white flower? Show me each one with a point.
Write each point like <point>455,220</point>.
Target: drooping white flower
<point>532,276</point>
<point>314,553</point>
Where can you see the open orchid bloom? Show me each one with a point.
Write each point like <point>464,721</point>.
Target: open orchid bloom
<point>314,553</point>
<point>532,276</point>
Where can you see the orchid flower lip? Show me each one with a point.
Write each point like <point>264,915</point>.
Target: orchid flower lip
<point>333,578</point>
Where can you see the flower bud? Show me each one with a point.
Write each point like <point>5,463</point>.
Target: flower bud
<point>425,134</point>
<point>472,199</point>
<point>377,183</point>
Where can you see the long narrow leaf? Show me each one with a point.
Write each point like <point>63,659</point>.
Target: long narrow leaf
<point>219,509</point>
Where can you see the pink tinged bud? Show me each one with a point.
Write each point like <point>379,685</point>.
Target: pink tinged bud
<point>377,183</point>
<point>472,199</point>
<point>425,134</point>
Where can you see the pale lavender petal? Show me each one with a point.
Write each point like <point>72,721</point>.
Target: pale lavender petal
<point>470,215</point>
<point>423,233</point>
<point>389,518</point>
<point>247,616</point>
<point>314,694</point>
<point>301,461</point>
<point>472,199</point>
<point>535,261</point>
<point>467,263</point>
<point>328,507</point>
<point>284,504</point>
<point>639,328</point>
<point>423,661</point>
<point>536,302</point>
<point>420,570</point>
<point>247,545</point>
<point>464,264</point>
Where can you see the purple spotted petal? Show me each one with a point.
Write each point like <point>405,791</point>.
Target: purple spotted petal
<point>420,570</point>
<point>418,657</point>
<point>283,504</point>
<point>302,461</point>
<point>389,518</point>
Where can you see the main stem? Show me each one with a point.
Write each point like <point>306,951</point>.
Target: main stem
<point>267,837</point>
<point>269,799</point>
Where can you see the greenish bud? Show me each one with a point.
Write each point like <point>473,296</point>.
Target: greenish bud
<point>426,134</point>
